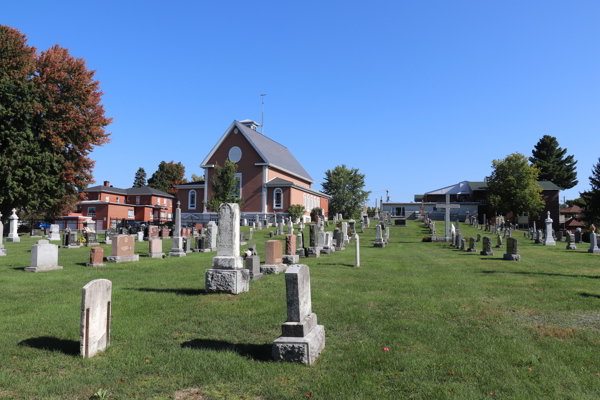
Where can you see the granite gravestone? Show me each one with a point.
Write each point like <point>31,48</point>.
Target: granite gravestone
<point>123,249</point>
<point>571,241</point>
<point>301,340</point>
<point>487,247</point>
<point>290,256</point>
<point>96,257</point>
<point>155,248</point>
<point>273,258</point>
<point>512,251</point>
<point>96,317</point>
<point>13,236</point>
<point>44,257</point>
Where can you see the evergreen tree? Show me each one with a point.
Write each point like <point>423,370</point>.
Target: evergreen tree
<point>140,178</point>
<point>225,186</point>
<point>513,187</point>
<point>167,175</point>
<point>550,159</point>
<point>345,186</point>
<point>591,215</point>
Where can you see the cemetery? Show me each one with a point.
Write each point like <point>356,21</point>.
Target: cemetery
<point>421,319</point>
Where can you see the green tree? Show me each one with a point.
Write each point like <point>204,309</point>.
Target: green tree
<point>50,120</point>
<point>197,178</point>
<point>591,197</point>
<point>346,188</point>
<point>576,202</point>
<point>225,186</point>
<point>296,211</point>
<point>550,159</point>
<point>140,178</point>
<point>513,187</point>
<point>166,176</point>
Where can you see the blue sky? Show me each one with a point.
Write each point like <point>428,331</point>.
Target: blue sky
<point>417,95</point>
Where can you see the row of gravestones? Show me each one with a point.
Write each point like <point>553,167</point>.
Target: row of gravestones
<point>512,250</point>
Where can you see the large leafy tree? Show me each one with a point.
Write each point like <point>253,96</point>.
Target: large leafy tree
<point>166,176</point>
<point>140,178</point>
<point>346,188</point>
<point>197,178</point>
<point>50,120</point>
<point>225,186</point>
<point>591,197</point>
<point>513,186</point>
<point>550,159</point>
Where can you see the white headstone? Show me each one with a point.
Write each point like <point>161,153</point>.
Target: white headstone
<point>44,257</point>
<point>357,239</point>
<point>549,240</point>
<point>96,315</point>
<point>13,236</point>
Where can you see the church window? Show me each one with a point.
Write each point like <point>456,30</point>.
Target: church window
<point>278,198</point>
<point>192,200</point>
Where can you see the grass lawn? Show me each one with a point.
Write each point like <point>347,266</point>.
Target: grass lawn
<point>457,325</point>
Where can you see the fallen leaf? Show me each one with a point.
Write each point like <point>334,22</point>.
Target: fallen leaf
<point>308,395</point>
<point>14,357</point>
<point>452,373</point>
<point>146,361</point>
<point>492,393</point>
<point>529,368</point>
<point>122,381</point>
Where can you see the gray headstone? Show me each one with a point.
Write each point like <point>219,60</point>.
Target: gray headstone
<point>96,315</point>
<point>44,257</point>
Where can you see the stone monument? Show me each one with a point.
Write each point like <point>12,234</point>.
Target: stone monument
<point>273,258</point>
<point>13,236</point>
<point>549,240</point>
<point>487,247</point>
<point>512,251</point>
<point>44,257</point>
<point>96,257</point>
<point>123,249</point>
<point>96,317</point>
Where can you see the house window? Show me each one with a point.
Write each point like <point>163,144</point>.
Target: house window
<point>137,199</point>
<point>277,198</point>
<point>107,199</point>
<point>150,215</point>
<point>170,216</point>
<point>165,202</point>
<point>162,215</point>
<point>130,214</point>
<point>158,201</point>
<point>237,192</point>
<point>118,200</point>
<point>91,211</point>
<point>170,203</point>
<point>192,200</point>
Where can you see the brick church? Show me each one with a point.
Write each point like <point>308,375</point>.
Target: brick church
<point>270,179</point>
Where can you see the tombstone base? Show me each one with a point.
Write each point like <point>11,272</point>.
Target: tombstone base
<point>15,239</point>
<point>340,248</point>
<point>94,265</point>
<point>177,253</point>
<point>300,349</point>
<point>299,329</point>
<point>43,269</point>
<point>301,253</point>
<point>512,257</point>
<point>291,259</point>
<point>207,250</point>
<point>379,244</point>
<point>549,243</point>
<point>486,253</point>
<point>313,252</point>
<point>499,246</point>
<point>471,250</point>
<point>596,250</point>
<point>92,244</point>
<point>273,268</point>
<point>71,246</point>
<point>327,251</point>
<point>108,242</point>
<point>2,251</point>
<point>120,259</point>
<point>35,236</point>
<point>571,247</point>
<point>227,262</point>
<point>232,281</point>
<point>156,255</point>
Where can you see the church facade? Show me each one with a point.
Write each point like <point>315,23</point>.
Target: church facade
<point>270,179</point>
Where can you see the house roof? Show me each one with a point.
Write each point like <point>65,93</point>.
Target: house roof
<point>272,153</point>
<point>571,210</point>
<point>144,190</point>
<point>278,182</point>
<point>546,185</point>
<point>459,188</point>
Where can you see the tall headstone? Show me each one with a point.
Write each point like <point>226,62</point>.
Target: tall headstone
<point>44,257</point>
<point>314,250</point>
<point>2,250</point>
<point>539,237</point>
<point>290,256</point>
<point>357,239</point>
<point>155,248</point>
<point>339,239</point>
<point>273,258</point>
<point>227,274</point>
<point>13,236</point>
<point>123,249</point>
<point>447,207</point>
<point>571,241</point>
<point>593,243</point>
<point>96,317</point>
<point>472,245</point>
<point>578,236</point>
<point>499,242</point>
<point>512,251</point>
<point>301,340</point>
<point>549,240</point>
<point>345,232</point>
<point>177,240</point>
<point>378,237</point>
<point>54,233</point>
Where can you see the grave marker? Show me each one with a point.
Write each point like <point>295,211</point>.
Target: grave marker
<point>96,315</point>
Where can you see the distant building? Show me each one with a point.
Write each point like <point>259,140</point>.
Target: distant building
<point>270,179</point>
<point>106,205</point>
<point>571,217</point>
<point>472,197</point>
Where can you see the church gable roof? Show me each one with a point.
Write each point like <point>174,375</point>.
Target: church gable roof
<point>272,153</point>
<point>459,188</point>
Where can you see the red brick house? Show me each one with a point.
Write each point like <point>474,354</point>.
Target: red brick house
<point>572,218</point>
<point>270,178</point>
<point>106,205</point>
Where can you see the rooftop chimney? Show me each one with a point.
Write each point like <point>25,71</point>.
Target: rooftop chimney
<point>250,124</point>
<point>107,183</point>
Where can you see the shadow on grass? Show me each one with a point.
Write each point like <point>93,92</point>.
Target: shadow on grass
<point>65,346</point>
<point>179,292</point>
<point>334,264</point>
<point>597,296</point>
<point>260,352</point>
<point>541,273</point>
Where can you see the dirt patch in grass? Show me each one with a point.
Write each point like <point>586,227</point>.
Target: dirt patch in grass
<point>571,320</point>
<point>189,394</point>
